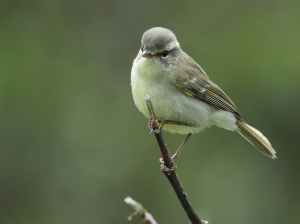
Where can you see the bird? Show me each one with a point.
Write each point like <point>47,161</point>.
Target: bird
<point>181,91</point>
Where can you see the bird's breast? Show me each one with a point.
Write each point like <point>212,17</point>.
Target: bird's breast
<point>146,77</point>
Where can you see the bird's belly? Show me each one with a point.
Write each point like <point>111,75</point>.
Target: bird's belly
<point>170,103</point>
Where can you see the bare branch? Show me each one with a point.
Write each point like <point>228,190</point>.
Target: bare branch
<point>169,167</point>
<point>140,211</point>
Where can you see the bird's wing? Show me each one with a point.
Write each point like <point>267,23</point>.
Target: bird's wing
<point>193,81</point>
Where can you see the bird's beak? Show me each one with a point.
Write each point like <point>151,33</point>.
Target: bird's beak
<point>149,55</point>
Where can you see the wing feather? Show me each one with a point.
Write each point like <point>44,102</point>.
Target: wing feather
<point>192,80</point>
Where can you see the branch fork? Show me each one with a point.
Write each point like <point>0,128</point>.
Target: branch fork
<point>168,167</point>
<point>168,163</point>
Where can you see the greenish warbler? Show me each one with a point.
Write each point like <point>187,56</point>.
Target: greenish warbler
<point>181,91</point>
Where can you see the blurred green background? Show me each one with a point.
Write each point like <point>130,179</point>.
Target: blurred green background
<point>73,145</point>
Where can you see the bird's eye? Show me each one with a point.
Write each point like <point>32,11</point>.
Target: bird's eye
<point>142,49</point>
<point>165,53</point>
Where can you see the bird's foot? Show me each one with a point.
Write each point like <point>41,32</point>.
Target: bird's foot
<point>155,125</point>
<point>166,169</point>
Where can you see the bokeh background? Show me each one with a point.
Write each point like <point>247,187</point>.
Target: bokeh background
<point>73,145</point>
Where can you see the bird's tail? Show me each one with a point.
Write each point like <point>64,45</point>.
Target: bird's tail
<point>256,138</point>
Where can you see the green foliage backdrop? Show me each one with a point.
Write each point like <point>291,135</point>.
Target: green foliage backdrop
<point>73,145</point>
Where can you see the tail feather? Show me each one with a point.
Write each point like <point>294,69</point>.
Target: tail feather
<point>256,138</point>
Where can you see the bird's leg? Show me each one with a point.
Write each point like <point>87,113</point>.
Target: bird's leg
<point>174,157</point>
<point>177,123</point>
<point>155,124</point>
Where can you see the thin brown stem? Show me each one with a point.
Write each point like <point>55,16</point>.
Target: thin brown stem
<point>170,172</point>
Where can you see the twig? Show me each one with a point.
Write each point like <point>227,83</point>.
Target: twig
<point>139,210</point>
<point>169,171</point>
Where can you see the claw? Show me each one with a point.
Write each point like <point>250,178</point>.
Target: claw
<point>166,169</point>
<point>155,125</point>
